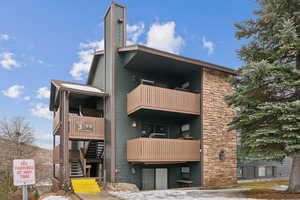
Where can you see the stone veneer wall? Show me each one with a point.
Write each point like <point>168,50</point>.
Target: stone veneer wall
<point>215,137</point>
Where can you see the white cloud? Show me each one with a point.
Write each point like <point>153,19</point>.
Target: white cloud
<point>43,92</point>
<point>208,45</point>
<point>7,61</point>
<point>163,37</point>
<point>82,67</point>
<point>14,91</point>
<point>160,36</point>
<point>36,60</point>
<point>41,110</point>
<point>27,98</point>
<point>134,32</point>
<point>4,37</point>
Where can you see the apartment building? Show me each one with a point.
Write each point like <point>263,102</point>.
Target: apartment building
<point>144,116</point>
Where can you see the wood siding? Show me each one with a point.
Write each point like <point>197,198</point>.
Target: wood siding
<point>86,127</point>
<point>157,98</point>
<point>156,150</point>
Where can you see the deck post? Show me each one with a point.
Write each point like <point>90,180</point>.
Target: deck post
<point>65,176</point>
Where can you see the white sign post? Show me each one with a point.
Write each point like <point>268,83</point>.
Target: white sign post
<point>24,174</point>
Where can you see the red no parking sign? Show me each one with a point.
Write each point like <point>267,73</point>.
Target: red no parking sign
<point>24,172</point>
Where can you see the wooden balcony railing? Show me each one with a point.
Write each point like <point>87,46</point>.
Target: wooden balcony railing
<point>56,154</point>
<point>86,127</point>
<point>157,98</point>
<point>156,150</point>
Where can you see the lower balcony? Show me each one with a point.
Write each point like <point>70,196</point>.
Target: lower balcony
<point>160,151</point>
<point>89,128</point>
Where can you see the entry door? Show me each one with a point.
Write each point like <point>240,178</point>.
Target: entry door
<point>148,178</point>
<point>161,178</point>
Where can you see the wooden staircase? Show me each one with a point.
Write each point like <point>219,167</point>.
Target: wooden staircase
<point>95,150</point>
<point>76,169</point>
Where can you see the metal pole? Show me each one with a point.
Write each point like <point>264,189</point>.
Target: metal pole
<point>25,192</point>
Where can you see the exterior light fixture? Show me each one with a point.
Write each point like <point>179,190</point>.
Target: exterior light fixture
<point>134,124</point>
<point>222,155</point>
<point>133,170</point>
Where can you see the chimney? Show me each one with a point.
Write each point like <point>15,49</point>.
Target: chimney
<point>114,38</point>
<point>115,27</point>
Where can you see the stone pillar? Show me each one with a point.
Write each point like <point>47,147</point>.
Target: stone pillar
<point>219,155</point>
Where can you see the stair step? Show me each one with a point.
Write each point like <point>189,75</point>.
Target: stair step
<point>85,185</point>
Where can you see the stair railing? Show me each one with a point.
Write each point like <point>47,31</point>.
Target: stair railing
<point>82,161</point>
<point>86,146</point>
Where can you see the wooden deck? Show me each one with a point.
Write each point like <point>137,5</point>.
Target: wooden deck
<point>156,150</point>
<point>157,98</point>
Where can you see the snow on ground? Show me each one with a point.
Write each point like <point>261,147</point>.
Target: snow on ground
<point>280,187</point>
<point>181,194</point>
<point>56,198</point>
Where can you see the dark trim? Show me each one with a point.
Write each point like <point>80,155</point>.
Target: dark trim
<point>177,57</point>
<point>201,129</point>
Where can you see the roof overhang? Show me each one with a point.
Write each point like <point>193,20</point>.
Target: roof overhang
<point>74,88</point>
<point>138,56</point>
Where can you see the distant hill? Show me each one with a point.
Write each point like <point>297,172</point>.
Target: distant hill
<point>42,157</point>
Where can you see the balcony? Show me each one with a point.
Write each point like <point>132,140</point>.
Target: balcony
<point>163,99</point>
<point>156,150</point>
<point>89,128</point>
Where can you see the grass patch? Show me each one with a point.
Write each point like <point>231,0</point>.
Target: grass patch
<point>251,185</point>
<point>262,184</point>
<point>269,194</point>
<point>4,196</point>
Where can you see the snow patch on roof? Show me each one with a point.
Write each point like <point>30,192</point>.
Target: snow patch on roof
<point>82,87</point>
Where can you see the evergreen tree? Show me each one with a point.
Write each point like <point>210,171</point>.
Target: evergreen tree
<point>267,89</point>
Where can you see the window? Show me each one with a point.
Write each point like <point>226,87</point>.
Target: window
<point>185,172</point>
<point>261,171</point>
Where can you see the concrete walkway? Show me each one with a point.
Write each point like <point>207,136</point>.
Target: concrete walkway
<point>95,196</point>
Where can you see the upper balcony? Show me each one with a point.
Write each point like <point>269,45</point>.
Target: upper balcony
<point>148,97</point>
<point>160,151</point>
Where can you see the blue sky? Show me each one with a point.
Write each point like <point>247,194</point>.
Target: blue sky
<point>44,40</point>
